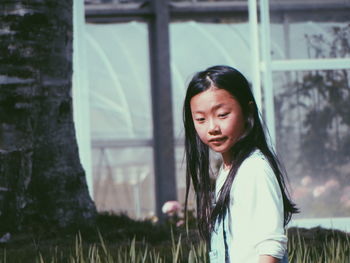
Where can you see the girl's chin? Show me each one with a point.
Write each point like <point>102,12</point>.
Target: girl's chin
<point>219,149</point>
<point>223,147</point>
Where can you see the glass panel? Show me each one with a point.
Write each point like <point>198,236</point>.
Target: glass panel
<point>119,81</point>
<point>312,114</point>
<point>304,30</point>
<point>121,116</point>
<point>124,181</point>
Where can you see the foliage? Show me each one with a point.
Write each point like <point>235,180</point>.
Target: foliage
<point>325,134</point>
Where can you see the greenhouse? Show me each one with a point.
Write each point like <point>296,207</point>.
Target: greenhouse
<point>134,62</point>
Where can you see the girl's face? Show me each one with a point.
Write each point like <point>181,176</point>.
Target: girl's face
<point>218,119</point>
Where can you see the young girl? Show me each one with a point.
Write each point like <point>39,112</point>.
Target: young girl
<point>243,219</point>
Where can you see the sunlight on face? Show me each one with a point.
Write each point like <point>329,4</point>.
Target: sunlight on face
<point>218,119</point>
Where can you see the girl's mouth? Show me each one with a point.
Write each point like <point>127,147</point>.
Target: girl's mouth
<point>218,140</point>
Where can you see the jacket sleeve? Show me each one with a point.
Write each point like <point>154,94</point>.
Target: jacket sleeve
<point>260,208</point>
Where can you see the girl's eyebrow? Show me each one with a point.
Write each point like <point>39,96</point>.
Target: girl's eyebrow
<point>214,108</point>
<point>218,106</point>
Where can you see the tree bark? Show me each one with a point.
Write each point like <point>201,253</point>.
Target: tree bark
<point>41,178</point>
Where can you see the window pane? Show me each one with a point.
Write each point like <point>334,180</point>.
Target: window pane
<point>120,117</point>
<point>309,30</point>
<point>124,181</point>
<point>119,81</point>
<point>312,113</point>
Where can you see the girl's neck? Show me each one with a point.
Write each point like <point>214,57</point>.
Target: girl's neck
<point>227,162</point>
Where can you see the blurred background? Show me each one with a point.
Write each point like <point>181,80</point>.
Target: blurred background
<point>133,60</point>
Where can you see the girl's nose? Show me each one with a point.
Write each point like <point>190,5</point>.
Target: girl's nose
<point>213,128</point>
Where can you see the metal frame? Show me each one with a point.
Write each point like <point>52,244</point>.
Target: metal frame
<point>163,134</point>
<point>296,11</point>
<point>268,66</point>
<point>80,94</point>
<point>255,54</point>
<point>267,73</point>
<point>310,64</point>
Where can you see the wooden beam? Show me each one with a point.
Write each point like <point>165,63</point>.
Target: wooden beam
<point>300,11</point>
<point>209,10</point>
<point>163,134</point>
<point>117,13</point>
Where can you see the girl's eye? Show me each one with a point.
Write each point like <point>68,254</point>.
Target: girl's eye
<point>223,115</point>
<point>200,119</point>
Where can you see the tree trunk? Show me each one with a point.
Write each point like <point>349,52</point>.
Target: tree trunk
<point>41,178</point>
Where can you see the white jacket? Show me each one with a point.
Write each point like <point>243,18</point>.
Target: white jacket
<point>254,222</point>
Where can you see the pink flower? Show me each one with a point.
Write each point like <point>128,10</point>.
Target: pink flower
<point>300,192</point>
<point>319,190</point>
<point>332,183</point>
<point>180,223</point>
<point>345,197</point>
<point>346,202</point>
<point>306,180</point>
<point>171,207</point>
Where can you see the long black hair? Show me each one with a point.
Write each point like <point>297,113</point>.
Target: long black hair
<point>197,153</point>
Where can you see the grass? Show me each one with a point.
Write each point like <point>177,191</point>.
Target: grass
<point>318,245</point>
<point>120,239</point>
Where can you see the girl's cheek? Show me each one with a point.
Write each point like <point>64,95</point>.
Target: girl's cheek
<point>201,136</point>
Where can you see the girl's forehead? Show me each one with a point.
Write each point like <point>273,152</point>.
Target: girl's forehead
<point>212,98</point>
